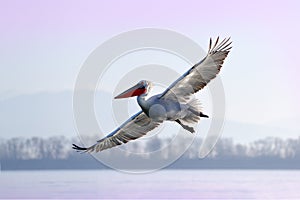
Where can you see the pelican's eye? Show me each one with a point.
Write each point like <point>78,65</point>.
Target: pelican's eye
<point>142,86</point>
<point>143,83</point>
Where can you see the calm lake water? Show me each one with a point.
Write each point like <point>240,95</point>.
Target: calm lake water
<point>200,184</point>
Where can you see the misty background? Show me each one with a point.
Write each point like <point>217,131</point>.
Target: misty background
<point>44,44</point>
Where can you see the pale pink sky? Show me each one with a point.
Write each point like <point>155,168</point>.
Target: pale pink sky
<point>42,41</point>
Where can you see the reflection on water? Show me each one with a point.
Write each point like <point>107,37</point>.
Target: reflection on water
<point>162,184</point>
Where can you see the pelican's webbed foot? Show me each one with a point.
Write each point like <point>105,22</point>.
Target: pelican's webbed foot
<point>188,128</point>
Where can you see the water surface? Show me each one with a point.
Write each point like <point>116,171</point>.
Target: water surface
<point>200,184</point>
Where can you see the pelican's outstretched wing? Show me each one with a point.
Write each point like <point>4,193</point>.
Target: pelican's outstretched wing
<point>135,127</point>
<point>200,74</point>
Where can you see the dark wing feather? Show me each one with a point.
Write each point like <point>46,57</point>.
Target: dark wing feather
<point>135,127</point>
<point>200,74</point>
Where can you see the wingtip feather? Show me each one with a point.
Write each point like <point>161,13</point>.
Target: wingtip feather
<point>79,149</point>
<point>222,46</point>
<point>216,42</point>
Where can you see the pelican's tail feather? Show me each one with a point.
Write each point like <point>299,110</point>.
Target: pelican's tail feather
<point>194,110</point>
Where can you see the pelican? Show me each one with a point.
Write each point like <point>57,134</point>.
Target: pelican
<point>175,104</point>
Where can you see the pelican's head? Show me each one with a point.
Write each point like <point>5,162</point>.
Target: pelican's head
<point>142,87</point>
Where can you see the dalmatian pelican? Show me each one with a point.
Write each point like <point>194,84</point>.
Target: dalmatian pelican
<point>175,104</point>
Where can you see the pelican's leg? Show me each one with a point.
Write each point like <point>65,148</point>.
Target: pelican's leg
<point>188,128</point>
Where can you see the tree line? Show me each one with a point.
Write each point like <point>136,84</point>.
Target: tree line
<point>59,148</point>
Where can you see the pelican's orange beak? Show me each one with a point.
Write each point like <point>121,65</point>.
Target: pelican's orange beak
<point>136,90</point>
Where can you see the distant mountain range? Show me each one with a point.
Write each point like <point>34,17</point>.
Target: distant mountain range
<point>47,114</point>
